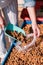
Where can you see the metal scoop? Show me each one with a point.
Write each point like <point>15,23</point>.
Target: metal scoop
<point>12,27</point>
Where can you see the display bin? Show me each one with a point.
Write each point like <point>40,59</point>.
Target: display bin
<point>13,44</point>
<point>9,51</point>
<point>29,22</point>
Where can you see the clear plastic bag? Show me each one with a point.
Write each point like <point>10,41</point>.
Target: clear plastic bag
<point>18,47</point>
<point>2,45</point>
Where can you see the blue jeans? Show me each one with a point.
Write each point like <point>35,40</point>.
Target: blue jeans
<point>29,3</point>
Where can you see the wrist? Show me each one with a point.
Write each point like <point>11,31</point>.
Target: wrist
<point>34,24</point>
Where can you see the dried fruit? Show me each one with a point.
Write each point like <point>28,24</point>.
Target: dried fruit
<point>32,56</point>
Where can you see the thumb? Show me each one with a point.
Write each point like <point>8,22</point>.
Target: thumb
<point>38,32</point>
<point>35,32</point>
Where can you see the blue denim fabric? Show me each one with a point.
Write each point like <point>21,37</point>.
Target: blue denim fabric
<point>29,3</point>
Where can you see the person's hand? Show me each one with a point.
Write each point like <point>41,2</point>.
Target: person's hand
<point>36,30</point>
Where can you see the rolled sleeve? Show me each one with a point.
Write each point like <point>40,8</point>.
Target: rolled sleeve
<point>29,3</point>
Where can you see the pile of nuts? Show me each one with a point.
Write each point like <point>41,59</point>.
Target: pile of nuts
<point>32,56</point>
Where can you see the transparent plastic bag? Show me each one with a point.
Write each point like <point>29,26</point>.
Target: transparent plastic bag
<point>18,47</point>
<point>2,45</point>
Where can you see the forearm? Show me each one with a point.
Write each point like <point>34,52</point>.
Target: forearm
<point>32,14</point>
